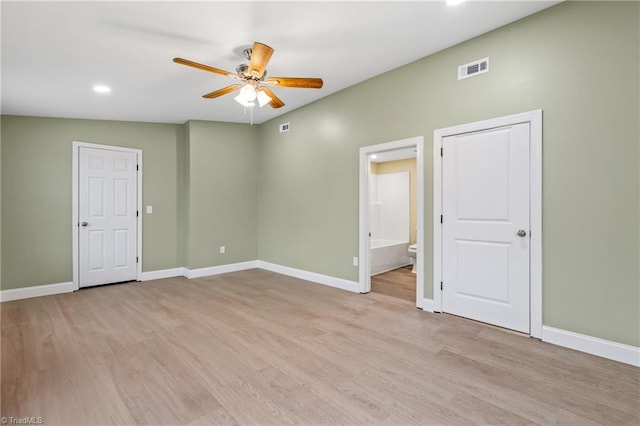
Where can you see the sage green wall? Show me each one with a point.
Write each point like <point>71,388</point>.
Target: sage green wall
<point>222,193</point>
<point>199,177</point>
<point>0,204</point>
<point>578,61</point>
<point>36,193</point>
<point>182,157</point>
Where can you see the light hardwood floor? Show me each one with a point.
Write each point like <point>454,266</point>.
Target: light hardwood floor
<point>399,283</point>
<point>255,347</point>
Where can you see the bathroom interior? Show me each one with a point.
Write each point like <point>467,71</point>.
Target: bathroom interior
<point>393,223</point>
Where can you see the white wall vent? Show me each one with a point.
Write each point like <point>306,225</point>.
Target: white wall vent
<point>284,127</point>
<point>473,68</point>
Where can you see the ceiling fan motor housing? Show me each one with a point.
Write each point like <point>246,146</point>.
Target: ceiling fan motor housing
<point>243,71</point>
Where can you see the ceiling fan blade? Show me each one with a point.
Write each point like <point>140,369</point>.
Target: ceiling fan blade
<point>276,102</point>
<point>260,55</point>
<point>305,83</point>
<point>204,67</point>
<point>223,91</point>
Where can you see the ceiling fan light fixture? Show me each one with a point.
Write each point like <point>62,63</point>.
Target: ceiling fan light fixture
<point>244,102</point>
<point>263,98</point>
<point>247,96</point>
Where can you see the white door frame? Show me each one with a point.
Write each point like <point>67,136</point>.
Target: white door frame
<point>534,118</point>
<point>364,220</point>
<point>75,176</point>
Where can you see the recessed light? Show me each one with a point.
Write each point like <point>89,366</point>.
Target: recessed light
<point>454,2</point>
<point>99,88</point>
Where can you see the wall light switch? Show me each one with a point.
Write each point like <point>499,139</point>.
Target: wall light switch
<point>149,209</point>
<point>223,249</point>
<point>355,261</point>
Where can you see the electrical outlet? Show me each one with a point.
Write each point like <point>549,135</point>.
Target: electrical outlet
<point>355,261</point>
<point>223,249</point>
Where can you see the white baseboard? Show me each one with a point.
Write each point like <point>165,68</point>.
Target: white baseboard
<point>427,305</point>
<point>327,280</point>
<point>222,269</point>
<point>592,345</point>
<point>163,273</point>
<point>35,291</point>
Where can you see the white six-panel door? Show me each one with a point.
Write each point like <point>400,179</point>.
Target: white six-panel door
<point>485,231</point>
<point>107,216</point>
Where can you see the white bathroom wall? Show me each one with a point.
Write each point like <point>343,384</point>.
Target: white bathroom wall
<point>375,213</point>
<point>389,211</point>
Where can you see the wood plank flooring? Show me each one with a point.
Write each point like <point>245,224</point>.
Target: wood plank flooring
<point>400,283</point>
<point>255,347</point>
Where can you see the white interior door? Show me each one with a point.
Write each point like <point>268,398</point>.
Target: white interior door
<point>107,216</point>
<point>485,233</point>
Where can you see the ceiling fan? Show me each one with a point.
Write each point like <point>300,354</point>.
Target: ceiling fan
<point>254,84</point>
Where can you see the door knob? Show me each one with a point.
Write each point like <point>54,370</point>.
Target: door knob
<point>84,223</point>
<point>521,233</point>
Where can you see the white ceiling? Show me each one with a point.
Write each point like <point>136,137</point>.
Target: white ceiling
<point>53,53</point>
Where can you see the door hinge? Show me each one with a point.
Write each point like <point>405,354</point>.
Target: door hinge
<point>137,259</point>
<point>441,286</point>
<point>441,219</point>
<point>137,166</point>
<point>137,213</point>
<point>441,152</point>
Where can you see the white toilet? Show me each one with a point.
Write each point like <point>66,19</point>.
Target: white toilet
<point>413,248</point>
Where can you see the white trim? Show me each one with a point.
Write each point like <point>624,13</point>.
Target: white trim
<point>140,213</point>
<point>35,291</point>
<point>221,269</point>
<point>427,305</point>
<point>163,273</point>
<point>311,276</point>
<point>437,228</point>
<point>364,278</point>
<point>74,204</point>
<point>364,282</point>
<point>420,224</point>
<point>535,223</point>
<point>75,161</point>
<point>534,118</point>
<point>592,345</point>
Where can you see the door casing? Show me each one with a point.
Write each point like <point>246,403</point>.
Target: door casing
<point>75,176</point>
<point>534,118</point>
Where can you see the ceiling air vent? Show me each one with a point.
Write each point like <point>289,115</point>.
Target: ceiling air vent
<point>473,68</point>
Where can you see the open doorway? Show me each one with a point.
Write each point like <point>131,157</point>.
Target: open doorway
<point>391,216</point>
<point>392,213</point>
